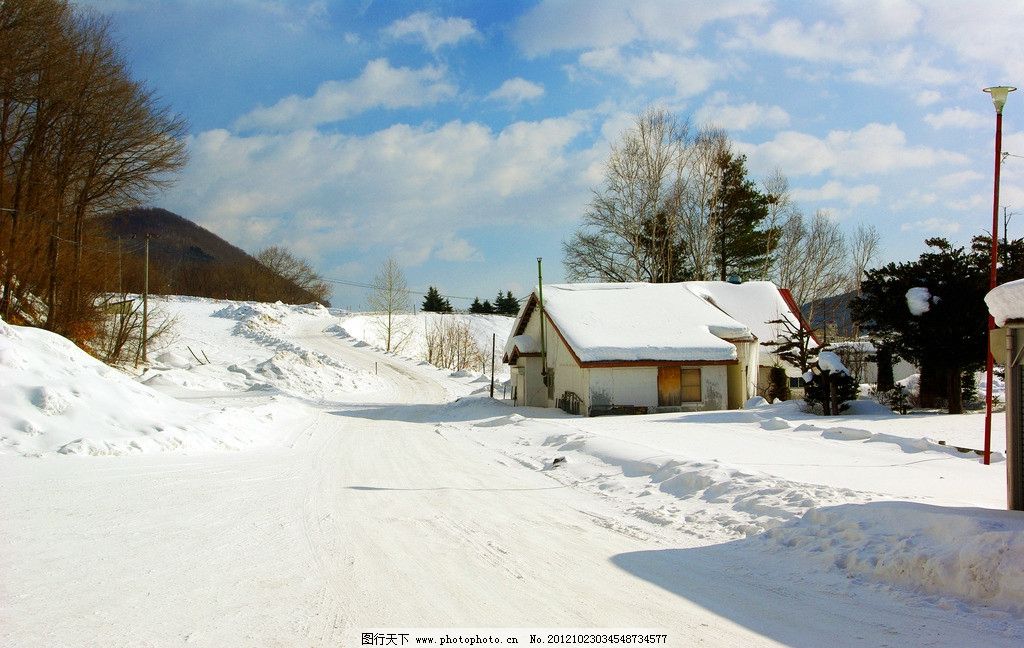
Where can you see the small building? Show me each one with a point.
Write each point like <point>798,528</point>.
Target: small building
<point>630,347</point>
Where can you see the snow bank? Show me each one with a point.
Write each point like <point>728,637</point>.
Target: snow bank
<point>411,333</point>
<point>58,399</point>
<point>292,369</point>
<point>970,553</point>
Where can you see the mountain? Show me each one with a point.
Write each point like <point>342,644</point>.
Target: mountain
<point>187,259</point>
<point>833,311</point>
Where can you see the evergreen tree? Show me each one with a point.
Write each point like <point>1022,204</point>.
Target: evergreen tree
<point>508,305</point>
<point>435,303</point>
<point>740,209</point>
<point>793,345</point>
<point>830,390</point>
<point>487,308</point>
<point>944,334</point>
<point>664,249</point>
<point>476,306</point>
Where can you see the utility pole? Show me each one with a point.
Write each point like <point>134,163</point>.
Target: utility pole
<point>494,339</point>
<point>145,302</point>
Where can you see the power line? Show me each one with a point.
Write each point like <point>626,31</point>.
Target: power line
<point>357,284</point>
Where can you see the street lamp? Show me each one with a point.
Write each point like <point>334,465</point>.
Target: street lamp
<point>999,94</point>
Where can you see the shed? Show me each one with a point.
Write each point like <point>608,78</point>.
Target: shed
<point>607,347</point>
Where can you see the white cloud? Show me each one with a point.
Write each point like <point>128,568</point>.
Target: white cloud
<point>740,116</point>
<point>873,41</point>
<point>985,35</point>
<point>932,226</point>
<point>959,118</point>
<point>554,25</point>
<point>408,188</point>
<point>379,86</point>
<point>432,31</point>
<point>456,249</point>
<point>688,75</point>
<point>875,148</point>
<point>928,97</point>
<point>833,190</point>
<point>958,179</point>
<point>517,90</point>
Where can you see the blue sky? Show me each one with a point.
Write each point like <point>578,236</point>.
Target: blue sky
<point>465,137</point>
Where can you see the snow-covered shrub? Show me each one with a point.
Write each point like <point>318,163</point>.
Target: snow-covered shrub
<point>778,385</point>
<point>896,399</point>
<point>829,385</point>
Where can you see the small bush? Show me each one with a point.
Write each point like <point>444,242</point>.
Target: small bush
<point>818,392</point>
<point>778,385</point>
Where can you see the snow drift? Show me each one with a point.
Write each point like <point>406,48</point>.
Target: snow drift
<point>58,399</point>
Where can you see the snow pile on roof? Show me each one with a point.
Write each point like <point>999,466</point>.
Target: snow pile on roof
<point>919,301</point>
<point>857,346</point>
<point>971,553</point>
<point>521,343</point>
<point>829,361</point>
<point>641,321</point>
<point>1006,302</point>
<point>59,399</point>
<point>755,303</point>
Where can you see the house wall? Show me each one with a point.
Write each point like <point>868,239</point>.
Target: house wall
<point>639,386</point>
<point>627,386</point>
<point>530,389</point>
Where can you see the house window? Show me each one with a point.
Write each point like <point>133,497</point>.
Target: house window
<point>691,385</point>
<point>677,385</point>
<point>796,382</point>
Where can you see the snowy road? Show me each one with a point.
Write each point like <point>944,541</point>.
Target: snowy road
<point>377,514</point>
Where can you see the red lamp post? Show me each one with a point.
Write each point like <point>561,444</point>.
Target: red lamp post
<point>999,94</point>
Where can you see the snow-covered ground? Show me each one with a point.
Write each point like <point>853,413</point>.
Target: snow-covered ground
<point>272,479</point>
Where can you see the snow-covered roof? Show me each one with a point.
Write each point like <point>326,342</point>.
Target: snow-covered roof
<point>755,303</point>
<point>521,345</point>
<point>1006,302</point>
<point>603,322</point>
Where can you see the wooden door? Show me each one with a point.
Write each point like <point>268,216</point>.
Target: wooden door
<point>670,386</point>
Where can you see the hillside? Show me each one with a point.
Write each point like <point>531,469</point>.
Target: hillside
<point>187,259</point>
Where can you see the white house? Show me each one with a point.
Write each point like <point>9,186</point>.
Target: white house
<point>630,347</point>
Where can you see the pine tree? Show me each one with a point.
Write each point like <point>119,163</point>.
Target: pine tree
<point>476,306</point>
<point>944,340</point>
<point>740,209</point>
<point>435,303</point>
<point>487,308</point>
<point>507,304</point>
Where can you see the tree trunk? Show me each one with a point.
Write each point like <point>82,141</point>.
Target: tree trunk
<point>51,293</point>
<point>955,389</point>
<point>883,361</point>
<point>933,387</point>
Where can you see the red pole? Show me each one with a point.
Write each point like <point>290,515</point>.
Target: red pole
<point>992,284</point>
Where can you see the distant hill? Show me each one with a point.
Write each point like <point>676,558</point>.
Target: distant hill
<point>834,311</point>
<point>186,259</point>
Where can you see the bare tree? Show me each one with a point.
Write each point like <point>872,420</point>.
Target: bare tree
<point>390,300</point>
<point>309,284</point>
<point>696,192</point>
<point>863,250</point>
<point>78,136</point>
<point>639,193</point>
<point>780,209</point>
<point>811,259</point>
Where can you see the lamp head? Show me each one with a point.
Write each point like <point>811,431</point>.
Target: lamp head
<point>999,94</point>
